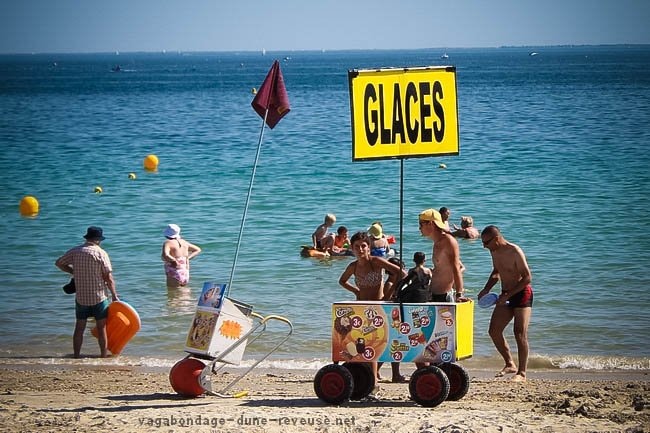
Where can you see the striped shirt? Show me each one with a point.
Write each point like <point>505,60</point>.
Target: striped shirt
<point>89,263</point>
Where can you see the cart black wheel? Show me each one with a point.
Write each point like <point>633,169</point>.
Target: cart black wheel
<point>333,384</point>
<point>429,386</point>
<point>458,380</point>
<point>362,378</point>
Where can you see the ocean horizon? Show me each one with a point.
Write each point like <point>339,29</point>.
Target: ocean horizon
<point>322,50</point>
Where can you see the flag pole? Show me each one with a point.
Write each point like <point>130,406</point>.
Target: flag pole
<point>248,198</point>
<point>267,97</point>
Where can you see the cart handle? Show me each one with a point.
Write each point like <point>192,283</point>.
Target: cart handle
<point>262,324</point>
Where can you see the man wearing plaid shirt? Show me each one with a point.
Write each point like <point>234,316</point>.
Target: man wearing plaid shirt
<point>91,268</point>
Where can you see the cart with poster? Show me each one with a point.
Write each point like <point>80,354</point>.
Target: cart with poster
<point>400,113</point>
<point>218,334</point>
<point>435,334</point>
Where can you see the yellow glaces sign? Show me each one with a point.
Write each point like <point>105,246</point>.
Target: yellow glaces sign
<point>403,113</point>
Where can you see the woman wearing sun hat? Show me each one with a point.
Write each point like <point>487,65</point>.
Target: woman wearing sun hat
<point>379,246</point>
<point>176,254</point>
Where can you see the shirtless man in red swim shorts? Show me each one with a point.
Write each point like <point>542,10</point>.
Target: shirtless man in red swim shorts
<point>515,302</point>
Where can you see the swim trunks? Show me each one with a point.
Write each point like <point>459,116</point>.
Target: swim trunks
<point>180,273</point>
<point>522,299</point>
<point>445,297</point>
<point>379,252</point>
<point>98,311</point>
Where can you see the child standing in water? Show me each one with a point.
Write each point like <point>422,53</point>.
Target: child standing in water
<point>424,273</point>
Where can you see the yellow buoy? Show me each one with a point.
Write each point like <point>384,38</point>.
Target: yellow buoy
<point>98,190</point>
<point>131,175</point>
<point>28,206</point>
<point>151,162</point>
<point>442,166</point>
<point>254,91</point>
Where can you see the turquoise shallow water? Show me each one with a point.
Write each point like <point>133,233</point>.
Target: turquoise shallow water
<point>553,151</point>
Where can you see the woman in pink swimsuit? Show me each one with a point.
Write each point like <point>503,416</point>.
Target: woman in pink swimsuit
<point>176,255</point>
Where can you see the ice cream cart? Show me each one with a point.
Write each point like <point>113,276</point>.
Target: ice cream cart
<point>218,334</point>
<point>438,334</point>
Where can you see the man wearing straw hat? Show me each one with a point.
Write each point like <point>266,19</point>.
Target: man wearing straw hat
<point>91,268</point>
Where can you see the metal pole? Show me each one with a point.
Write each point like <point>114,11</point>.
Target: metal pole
<point>248,198</point>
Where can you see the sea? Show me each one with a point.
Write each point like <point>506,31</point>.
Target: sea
<point>553,150</point>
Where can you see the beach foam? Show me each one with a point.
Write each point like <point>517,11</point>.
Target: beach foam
<point>477,363</point>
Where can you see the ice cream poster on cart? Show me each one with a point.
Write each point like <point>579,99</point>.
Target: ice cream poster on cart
<point>218,324</point>
<point>367,331</point>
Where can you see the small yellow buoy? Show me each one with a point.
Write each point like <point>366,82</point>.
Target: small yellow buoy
<point>98,190</point>
<point>254,91</point>
<point>442,166</point>
<point>151,162</point>
<point>131,175</point>
<point>28,206</point>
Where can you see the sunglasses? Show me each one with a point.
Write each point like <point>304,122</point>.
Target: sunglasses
<point>486,243</point>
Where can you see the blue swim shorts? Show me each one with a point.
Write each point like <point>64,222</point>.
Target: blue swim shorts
<point>98,311</point>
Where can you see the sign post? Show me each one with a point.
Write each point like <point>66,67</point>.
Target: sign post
<point>399,113</point>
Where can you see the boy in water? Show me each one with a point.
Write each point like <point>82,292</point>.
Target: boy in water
<point>341,244</point>
<point>321,231</point>
<point>466,230</point>
<point>424,273</point>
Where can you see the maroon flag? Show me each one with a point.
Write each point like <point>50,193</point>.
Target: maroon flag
<point>273,97</point>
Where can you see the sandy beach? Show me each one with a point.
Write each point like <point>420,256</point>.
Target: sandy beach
<point>83,398</point>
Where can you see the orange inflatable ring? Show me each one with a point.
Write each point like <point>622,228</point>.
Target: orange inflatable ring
<point>122,324</point>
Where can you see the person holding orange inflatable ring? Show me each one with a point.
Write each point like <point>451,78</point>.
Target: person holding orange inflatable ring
<point>91,268</point>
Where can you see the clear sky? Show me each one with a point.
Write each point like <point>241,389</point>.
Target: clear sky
<point>236,25</point>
